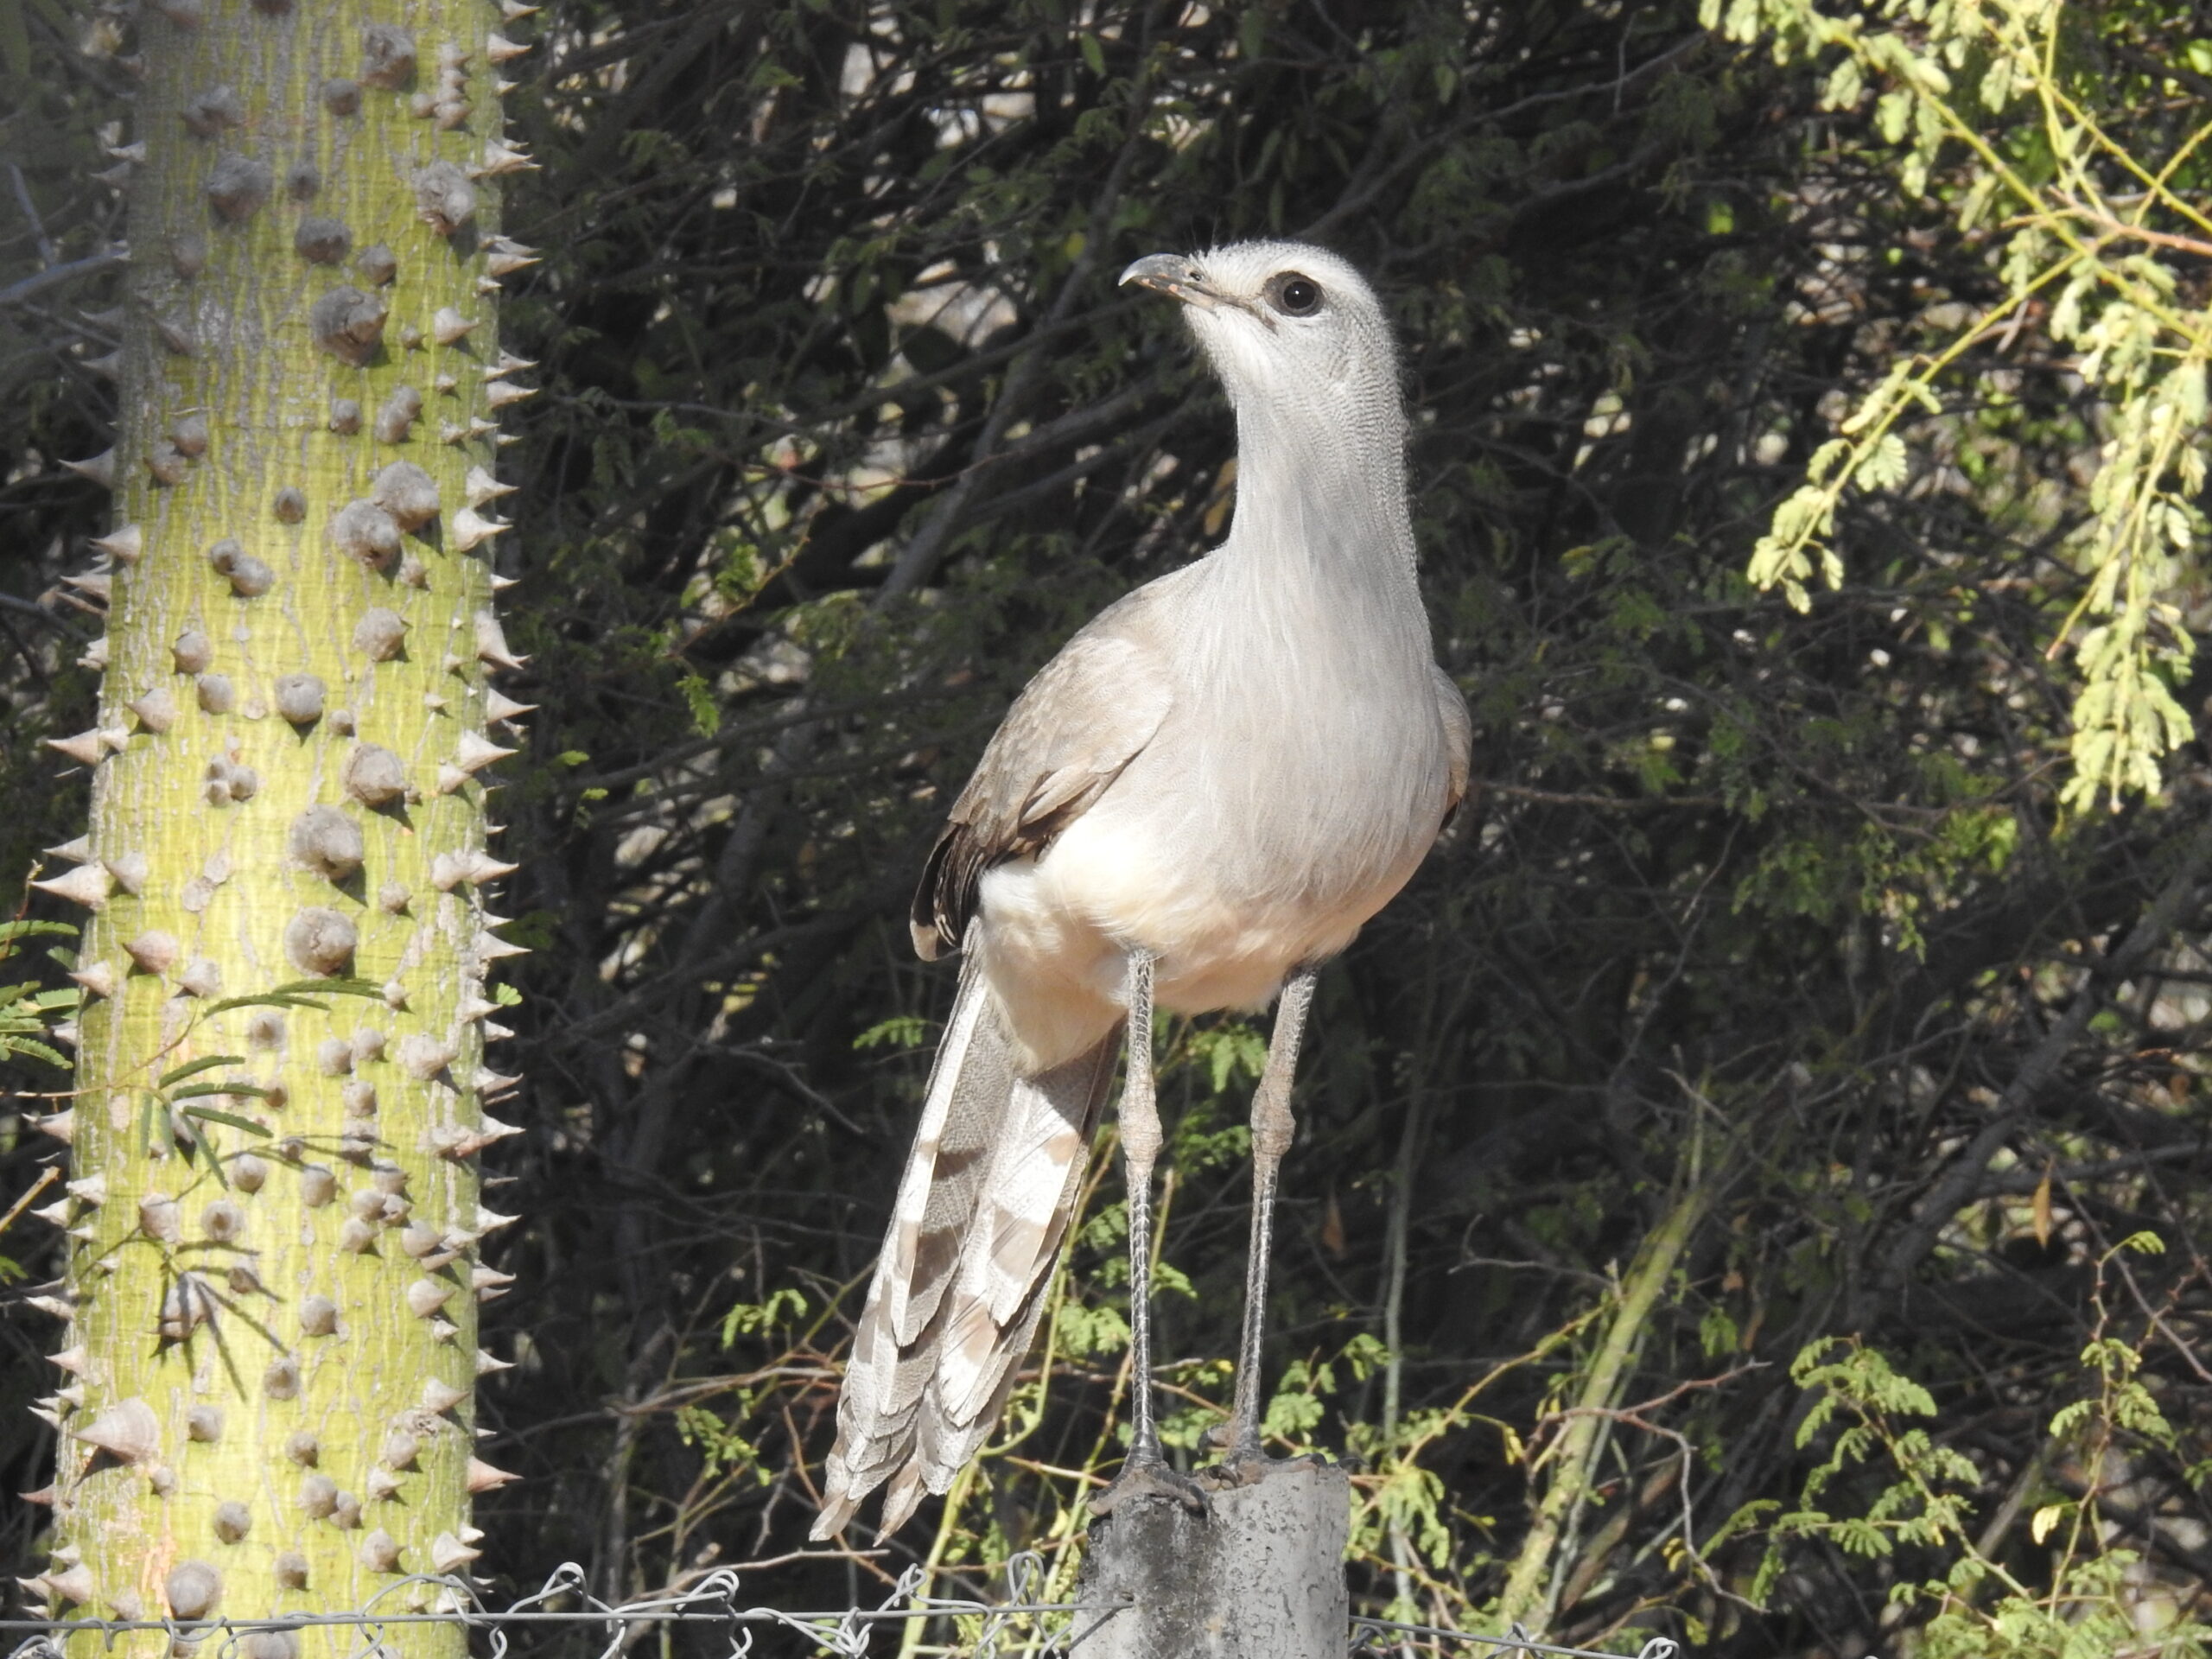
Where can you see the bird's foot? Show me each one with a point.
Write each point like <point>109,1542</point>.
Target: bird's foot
<point>1149,1475</point>
<point>1243,1466</point>
<point>1246,1464</point>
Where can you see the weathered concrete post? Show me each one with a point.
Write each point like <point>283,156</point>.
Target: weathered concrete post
<point>1261,1576</point>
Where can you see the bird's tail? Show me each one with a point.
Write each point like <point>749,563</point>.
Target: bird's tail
<point>988,1192</point>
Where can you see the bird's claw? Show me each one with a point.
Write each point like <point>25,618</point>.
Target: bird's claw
<point>1151,1477</point>
<point>1246,1464</point>
<point>1243,1466</point>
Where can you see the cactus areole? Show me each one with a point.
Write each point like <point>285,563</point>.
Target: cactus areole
<point>275,1265</point>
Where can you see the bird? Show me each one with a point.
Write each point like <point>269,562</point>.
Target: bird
<point>1192,807</point>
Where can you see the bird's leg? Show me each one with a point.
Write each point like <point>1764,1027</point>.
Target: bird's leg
<point>1272,1128</point>
<point>1145,1471</point>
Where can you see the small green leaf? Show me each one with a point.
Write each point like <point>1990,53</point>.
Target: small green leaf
<point>901,1031</point>
<point>202,1090</point>
<point>192,1069</point>
<point>328,987</point>
<point>209,1115</point>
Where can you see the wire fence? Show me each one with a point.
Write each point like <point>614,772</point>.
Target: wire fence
<point>1036,1629</point>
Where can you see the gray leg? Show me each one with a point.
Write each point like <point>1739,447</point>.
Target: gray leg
<point>1144,1470</point>
<point>1272,1128</point>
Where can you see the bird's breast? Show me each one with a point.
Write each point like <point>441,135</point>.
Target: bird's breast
<point>1240,844</point>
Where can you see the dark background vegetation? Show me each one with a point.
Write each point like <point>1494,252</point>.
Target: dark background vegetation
<point>845,427</point>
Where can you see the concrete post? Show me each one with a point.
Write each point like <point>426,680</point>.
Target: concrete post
<point>1260,1576</point>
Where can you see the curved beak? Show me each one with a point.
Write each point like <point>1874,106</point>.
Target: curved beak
<point>1176,276</point>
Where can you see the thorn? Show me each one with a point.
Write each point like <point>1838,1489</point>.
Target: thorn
<point>483,1478</point>
<point>482,868</point>
<point>124,546</point>
<point>503,158</point>
<point>127,1431</point>
<point>448,1553</point>
<point>85,748</point>
<point>87,885</point>
<point>491,642</point>
<point>471,530</point>
<point>480,487</point>
<point>100,469</point>
<point>475,753</point>
<point>98,979</point>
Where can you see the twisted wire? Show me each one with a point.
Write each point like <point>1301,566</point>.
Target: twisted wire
<point>843,1633</point>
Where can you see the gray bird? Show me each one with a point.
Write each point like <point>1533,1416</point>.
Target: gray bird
<point>1194,805</point>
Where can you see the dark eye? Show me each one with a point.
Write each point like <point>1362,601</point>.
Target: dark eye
<point>1294,295</point>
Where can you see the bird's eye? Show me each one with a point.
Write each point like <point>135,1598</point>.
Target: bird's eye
<point>1294,295</point>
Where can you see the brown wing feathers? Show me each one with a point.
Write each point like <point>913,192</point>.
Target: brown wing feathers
<point>1068,737</point>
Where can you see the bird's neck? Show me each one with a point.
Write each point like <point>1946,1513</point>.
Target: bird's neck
<point>1322,503</point>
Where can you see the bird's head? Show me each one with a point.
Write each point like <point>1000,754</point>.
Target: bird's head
<point>1287,326</point>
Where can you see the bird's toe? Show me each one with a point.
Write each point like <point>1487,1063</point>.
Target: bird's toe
<point>1146,1478</point>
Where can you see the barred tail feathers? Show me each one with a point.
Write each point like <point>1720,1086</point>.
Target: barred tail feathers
<point>982,1208</point>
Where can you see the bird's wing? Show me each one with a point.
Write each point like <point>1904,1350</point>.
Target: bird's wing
<point>1086,716</point>
<point>1458,736</point>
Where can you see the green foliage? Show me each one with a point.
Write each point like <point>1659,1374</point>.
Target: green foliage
<point>29,1011</point>
<point>784,1306</point>
<point>2097,208</point>
<point>1888,1490</point>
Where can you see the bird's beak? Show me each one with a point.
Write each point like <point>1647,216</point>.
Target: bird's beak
<point>1177,277</point>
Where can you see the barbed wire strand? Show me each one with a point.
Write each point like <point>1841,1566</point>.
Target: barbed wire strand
<point>845,1633</point>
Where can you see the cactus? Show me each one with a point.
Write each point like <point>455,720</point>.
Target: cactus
<point>274,1210</point>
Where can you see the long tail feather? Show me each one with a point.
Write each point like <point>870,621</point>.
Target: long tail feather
<point>982,1209</point>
